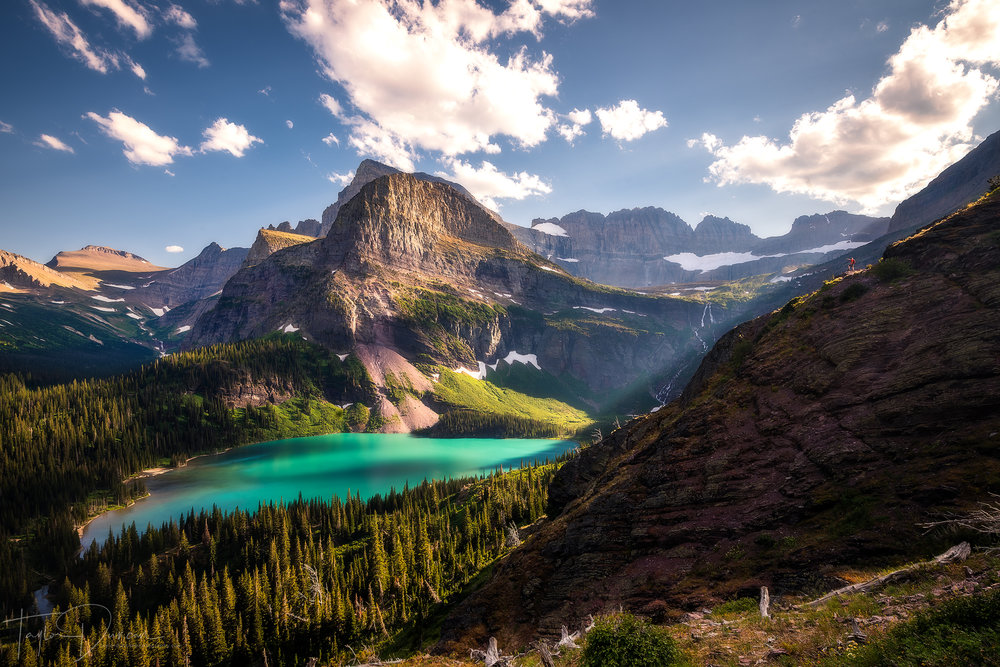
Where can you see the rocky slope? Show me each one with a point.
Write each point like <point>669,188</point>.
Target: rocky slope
<point>649,246</point>
<point>18,272</point>
<point>417,268</point>
<point>196,279</point>
<point>955,187</point>
<point>269,241</point>
<point>812,438</point>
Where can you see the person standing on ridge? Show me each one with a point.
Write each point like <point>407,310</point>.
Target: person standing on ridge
<point>850,264</point>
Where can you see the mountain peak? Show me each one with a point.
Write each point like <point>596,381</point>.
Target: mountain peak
<point>403,220</point>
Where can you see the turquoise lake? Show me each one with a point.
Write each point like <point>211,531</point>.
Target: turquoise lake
<point>317,467</point>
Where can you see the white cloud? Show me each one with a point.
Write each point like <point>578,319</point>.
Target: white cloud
<point>174,248</point>
<point>178,16</point>
<point>128,15</point>
<point>574,128</point>
<point>189,51</point>
<point>226,136</point>
<point>69,35</point>
<point>487,183</point>
<point>428,76</point>
<point>6,128</point>
<point>48,141</point>
<point>331,104</point>
<point>331,139</point>
<point>880,149</point>
<point>881,26</point>
<point>168,172</point>
<point>265,91</point>
<point>142,144</point>
<point>340,179</point>
<point>627,122</point>
<point>290,124</point>
<point>136,68</point>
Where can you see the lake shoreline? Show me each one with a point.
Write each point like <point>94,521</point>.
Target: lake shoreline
<point>146,474</point>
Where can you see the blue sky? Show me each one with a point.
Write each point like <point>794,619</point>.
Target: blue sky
<point>152,125</point>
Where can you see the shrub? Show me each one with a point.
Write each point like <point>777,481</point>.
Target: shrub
<point>853,291</point>
<point>623,640</point>
<point>888,270</point>
<point>737,606</point>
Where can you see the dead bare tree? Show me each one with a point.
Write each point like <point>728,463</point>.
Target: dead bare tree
<point>984,520</point>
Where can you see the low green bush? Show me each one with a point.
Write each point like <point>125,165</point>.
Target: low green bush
<point>888,270</point>
<point>623,640</point>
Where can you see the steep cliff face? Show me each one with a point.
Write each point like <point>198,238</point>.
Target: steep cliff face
<point>196,279</point>
<point>367,172</point>
<point>19,272</point>
<point>417,267</point>
<point>812,438</point>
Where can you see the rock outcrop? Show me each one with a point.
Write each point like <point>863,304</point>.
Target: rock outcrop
<point>811,439</point>
<point>19,272</point>
<point>269,241</point>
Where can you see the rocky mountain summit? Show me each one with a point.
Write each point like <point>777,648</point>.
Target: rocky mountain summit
<point>812,438</point>
<point>649,246</point>
<point>367,172</point>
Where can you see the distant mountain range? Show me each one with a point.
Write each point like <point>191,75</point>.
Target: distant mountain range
<point>643,247</point>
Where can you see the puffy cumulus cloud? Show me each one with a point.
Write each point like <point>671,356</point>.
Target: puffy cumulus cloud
<point>627,122</point>
<point>340,179</point>
<point>574,128</point>
<point>230,137</point>
<point>488,184</point>
<point>880,149</point>
<point>128,14</point>
<point>174,248</point>
<point>48,141</point>
<point>179,17</point>
<point>428,76</point>
<point>331,139</point>
<point>189,51</point>
<point>142,144</point>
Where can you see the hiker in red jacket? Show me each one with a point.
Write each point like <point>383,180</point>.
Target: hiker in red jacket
<point>850,264</point>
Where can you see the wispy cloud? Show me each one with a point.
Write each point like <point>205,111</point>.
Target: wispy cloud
<point>128,14</point>
<point>331,139</point>
<point>289,124</point>
<point>143,146</point>
<point>178,16</point>
<point>882,148</point>
<point>229,137</point>
<point>627,122</point>
<point>340,179</point>
<point>7,128</point>
<point>48,141</point>
<point>189,51</point>
<point>69,35</point>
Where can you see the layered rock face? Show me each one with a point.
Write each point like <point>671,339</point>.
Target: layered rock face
<point>811,439</point>
<point>647,246</point>
<point>417,267</point>
<point>197,278</point>
<point>17,271</point>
